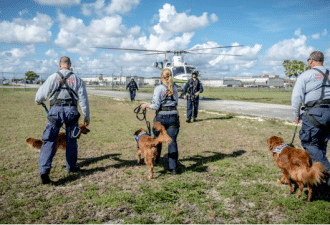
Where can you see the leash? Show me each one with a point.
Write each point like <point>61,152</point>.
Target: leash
<point>294,134</point>
<point>138,112</point>
<point>47,111</point>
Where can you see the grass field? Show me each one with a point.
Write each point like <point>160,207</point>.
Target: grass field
<point>227,174</point>
<point>263,95</point>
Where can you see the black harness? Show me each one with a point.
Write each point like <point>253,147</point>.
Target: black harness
<point>193,88</point>
<point>63,102</point>
<point>321,103</point>
<point>166,108</point>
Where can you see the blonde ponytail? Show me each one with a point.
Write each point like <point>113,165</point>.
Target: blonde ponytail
<point>167,75</point>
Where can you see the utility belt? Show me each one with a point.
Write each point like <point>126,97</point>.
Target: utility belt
<point>64,102</point>
<point>167,108</point>
<point>325,103</point>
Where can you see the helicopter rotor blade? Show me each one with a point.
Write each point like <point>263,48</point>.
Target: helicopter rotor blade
<point>196,49</point>
<point>201,53</point>
<point>132,49</point>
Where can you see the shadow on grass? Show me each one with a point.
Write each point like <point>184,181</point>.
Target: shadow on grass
<point>199,160</point>
<point>216,118</point>
<point>198,166</point>
<point>88,172</point>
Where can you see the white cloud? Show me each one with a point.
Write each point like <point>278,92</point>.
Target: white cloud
<point>77,37</point>
<point>51,53</point>
<point>325,32</point>
<point>297,32</point>
<point>316,36</point>
<point>58,2</point>
<point>121,6</point>
<point>214,17</point>
<point>98,7</point>
<point>289,49</point>
<point>36,30</point>
<point>172,22</point>
<point>24,11</point>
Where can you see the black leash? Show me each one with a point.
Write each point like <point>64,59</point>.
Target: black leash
<point>138,112</point>
<point>294,134</point>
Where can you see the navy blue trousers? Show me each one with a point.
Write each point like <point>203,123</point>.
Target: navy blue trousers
<point>192,108</point>
<point>63,114</point>
<point>314,139</point>
<point>132,94</point>
<point>172,125</point>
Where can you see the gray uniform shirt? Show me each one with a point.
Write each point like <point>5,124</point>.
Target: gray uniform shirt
<point>308,88</point>
<point>159,96</point>
<point>74,82</point>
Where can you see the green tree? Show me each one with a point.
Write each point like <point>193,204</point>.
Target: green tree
<point>30,75</point>
<point>294,68</point>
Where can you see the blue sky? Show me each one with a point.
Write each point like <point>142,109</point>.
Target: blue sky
<point>35,34</point>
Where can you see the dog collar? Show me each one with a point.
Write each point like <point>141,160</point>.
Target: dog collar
<point>138,137</point>
<point>279,148</point>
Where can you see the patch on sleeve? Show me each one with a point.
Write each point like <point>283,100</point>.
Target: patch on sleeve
<point>279,148</point>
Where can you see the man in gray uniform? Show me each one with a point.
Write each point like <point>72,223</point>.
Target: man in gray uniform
<point>312,88</point>
<point>65,90</point>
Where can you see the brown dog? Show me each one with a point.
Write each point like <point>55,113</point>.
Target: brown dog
<point>296,164</point>
<point>148,145</point>
<point>60,141</point>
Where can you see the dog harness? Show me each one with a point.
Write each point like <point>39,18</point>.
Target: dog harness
<point>279,148</point>
<point>138,137</point>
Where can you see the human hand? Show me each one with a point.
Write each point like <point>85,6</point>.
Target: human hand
<point>197,93</point>
<point>297,119</point>
<point>184,97</point>
<point>86,122</point>
<point>144,106</point>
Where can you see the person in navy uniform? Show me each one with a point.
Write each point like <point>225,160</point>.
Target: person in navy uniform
<point>132,87</point>
<point>164,102</point>
<point>65,90</point>
<point>191,92</point>
<point>312,89</point>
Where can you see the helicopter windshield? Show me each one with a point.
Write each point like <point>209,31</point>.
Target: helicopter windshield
<point>190,69</point>
<point>178,70</point>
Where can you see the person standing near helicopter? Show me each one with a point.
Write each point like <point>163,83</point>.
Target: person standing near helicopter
<point>132,87</point>
<point>191,92</point>
<point>165,101</point>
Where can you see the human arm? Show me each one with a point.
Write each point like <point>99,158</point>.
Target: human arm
<point>83,101</point>
<point>298,96</point>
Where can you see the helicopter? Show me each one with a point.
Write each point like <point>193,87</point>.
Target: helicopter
<point>181,71</point>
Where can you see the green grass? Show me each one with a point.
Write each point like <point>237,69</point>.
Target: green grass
<point>263,95</point>
<point>227,174</point>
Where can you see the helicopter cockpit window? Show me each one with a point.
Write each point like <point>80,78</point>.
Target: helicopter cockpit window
<point>178,70</point>
<point>190,69</point>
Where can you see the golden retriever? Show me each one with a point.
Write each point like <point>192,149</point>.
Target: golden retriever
<point>148,145</point>
<point>296,164</point>
<point>60,141</point>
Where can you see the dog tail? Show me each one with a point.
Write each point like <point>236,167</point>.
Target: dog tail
<point>315,174</point>
<point>34,143</point>
<point>163,136</point>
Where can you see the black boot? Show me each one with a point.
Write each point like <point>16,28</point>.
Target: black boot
<point>45,178</point>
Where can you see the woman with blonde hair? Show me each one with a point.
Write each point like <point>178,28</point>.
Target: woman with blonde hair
<point>165,102</point>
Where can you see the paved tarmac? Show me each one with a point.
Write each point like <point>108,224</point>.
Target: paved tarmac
<point>283,112</point>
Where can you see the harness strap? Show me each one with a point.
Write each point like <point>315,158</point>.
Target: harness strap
<point>140,135</point>
<point>325,79</point>
<point>61,86</point>
<point>318,102</point>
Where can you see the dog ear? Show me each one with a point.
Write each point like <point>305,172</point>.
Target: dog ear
<point>138,131</point>
<point>274,141</point>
